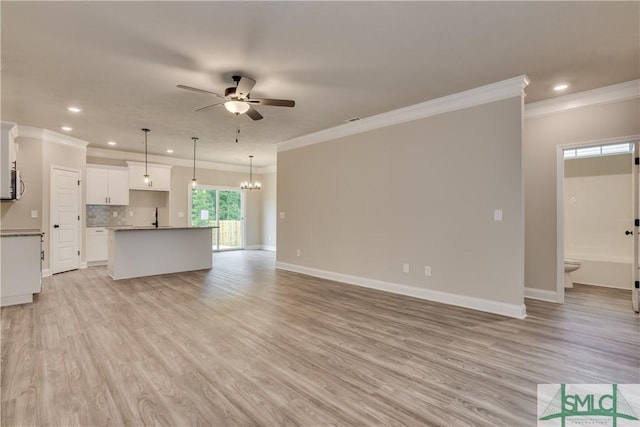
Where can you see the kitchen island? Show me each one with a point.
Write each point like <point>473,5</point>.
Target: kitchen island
<point>147,251</point>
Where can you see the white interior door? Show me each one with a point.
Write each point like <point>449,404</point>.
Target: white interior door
<point>65,220</point>
<point>635,291</point>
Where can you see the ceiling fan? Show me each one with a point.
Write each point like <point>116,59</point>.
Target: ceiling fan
<point>236,99</point>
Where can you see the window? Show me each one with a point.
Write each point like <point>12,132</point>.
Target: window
<point>598,150</point>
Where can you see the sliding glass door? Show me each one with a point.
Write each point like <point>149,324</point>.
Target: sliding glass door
<point>222,208</point>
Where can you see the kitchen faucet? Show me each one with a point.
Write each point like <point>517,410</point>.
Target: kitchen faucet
<point>156,223</point>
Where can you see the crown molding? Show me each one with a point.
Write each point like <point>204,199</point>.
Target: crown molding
<point>61,139</point>
<point>470,98</point>
<point>166,160</point>
<point>10,129</point>
<point>50,136</point>
<point>30,132</point>
<point>603,95</point>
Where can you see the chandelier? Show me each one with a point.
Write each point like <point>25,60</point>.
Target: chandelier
<point>251,185</point>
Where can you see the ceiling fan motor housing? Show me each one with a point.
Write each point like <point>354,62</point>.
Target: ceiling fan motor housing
<point>230,92</point>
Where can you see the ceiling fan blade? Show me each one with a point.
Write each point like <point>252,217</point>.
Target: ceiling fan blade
<point>245,84</point>
<point>195,89</point>
<point>253,113</point>
<point>274,102</point>
<point>209,106</point>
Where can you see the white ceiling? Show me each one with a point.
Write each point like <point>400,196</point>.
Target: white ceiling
<point>121,62</point>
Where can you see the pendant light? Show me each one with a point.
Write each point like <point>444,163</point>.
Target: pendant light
<point>194,181</point>
<point>146,171</point>
<point>250,185</point>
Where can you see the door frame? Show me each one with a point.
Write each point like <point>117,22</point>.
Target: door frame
<point>81,264</point>
<point>243,207</point>
<point>560,200</point>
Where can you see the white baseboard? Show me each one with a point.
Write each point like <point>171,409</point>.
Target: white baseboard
<point>260,247</point>
<point>46,272</point>
<point>96,263</point>
<point>540,294</point>
<point>496,307</point>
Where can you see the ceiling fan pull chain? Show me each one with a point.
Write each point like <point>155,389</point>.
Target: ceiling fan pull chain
<point>237,134</point>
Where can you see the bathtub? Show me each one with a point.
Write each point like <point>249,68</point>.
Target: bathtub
<point>608,273</point>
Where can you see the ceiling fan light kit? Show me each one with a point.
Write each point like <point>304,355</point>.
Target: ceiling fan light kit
<point>237,107</point>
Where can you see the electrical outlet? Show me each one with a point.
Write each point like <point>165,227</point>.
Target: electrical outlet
<point>115,214</point>
<point>405,268</point>
<point>427,271</point>
<point>34,214</point>
<point>130,213</point>
<point>281,215</point>
<point>180,214</point>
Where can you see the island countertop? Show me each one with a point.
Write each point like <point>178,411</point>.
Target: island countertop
<point>151,227</point>
<point>19,232</point>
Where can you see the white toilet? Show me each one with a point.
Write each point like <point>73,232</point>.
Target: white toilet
<point>570,265</point>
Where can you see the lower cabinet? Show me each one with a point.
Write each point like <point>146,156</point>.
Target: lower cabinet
<point>21,268</point>
<point>97,246</point>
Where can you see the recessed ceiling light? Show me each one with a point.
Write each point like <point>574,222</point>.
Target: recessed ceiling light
<point>74,109</point>
<point>169,151</point>
<point>561,86</point>
<point>67,128</point>
<point>111,143</point>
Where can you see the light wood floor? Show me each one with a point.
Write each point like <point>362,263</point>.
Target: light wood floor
<point>244,344</point>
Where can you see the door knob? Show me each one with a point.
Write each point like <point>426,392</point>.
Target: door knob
<point>56,226</point>
<point>628,232</point>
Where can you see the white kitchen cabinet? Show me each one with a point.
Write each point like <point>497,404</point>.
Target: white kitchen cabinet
<point>97,246</point>
<point>159,177</point>
<point>21,275</point>
<point>107,185</point>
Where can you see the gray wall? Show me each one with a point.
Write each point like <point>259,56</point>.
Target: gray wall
<point>542,137</point>
<point>422,193</point>
<point>269,213</point>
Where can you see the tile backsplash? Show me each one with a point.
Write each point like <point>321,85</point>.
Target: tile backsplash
<point>101,215</point>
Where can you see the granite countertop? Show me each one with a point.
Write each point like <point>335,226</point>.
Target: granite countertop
<point>21,232</point>
<point>151,227</point>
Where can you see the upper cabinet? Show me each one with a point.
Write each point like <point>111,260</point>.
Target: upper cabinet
<point>107,185</point>
<point>159,177</point>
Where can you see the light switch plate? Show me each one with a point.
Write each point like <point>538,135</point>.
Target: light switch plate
<point>180,214</point>
<point>281,215</point>
<point>34,214</point>
<point>497,215</point>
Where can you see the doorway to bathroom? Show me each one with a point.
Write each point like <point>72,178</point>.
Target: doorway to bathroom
<point>597,204</point>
